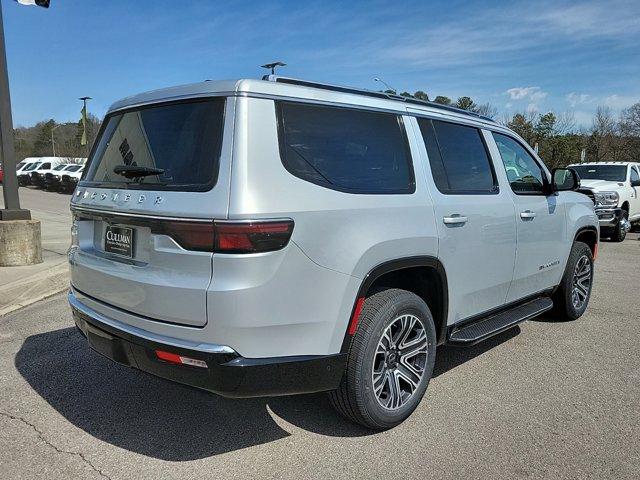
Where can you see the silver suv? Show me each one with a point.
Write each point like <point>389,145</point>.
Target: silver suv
<point>278,236</point>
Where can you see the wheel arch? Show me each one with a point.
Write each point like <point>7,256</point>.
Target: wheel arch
<point>588,235</point>
<point>423,275</point>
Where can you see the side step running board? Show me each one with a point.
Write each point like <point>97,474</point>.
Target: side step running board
<point>485,327</point>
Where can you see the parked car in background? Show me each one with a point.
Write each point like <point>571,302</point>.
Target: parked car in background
<point>615,190</point>
<point>24,174</point>
<point>69,178</point>
<point>49,164</point>
<point>258,238</point>
<point>51,179</point>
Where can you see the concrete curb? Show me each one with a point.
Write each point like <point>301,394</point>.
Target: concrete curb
<point>34,288</point>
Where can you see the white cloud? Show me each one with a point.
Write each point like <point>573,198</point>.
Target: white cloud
<point>575,99</point>
<point>534,94</point>
<point>620,101</point>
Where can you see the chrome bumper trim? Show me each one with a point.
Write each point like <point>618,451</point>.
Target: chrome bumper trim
<point>77,305</point>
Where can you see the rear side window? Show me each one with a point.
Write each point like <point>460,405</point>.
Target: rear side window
<point>458,157</point>
<point>182,139</point>
<point>343,149</point>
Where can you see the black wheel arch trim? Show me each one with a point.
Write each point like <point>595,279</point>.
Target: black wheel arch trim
<point>581,230</point>
<point>403,264</point>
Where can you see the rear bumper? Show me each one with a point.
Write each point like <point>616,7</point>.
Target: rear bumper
<point>227,373</point>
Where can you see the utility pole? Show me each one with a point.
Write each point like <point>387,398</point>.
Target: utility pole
<point>11,210</point>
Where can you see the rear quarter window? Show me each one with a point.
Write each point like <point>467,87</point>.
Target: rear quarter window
<point>344,149</point>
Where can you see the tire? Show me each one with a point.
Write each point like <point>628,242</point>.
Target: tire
<point>619,232</point>
<point>385,316</point>
<point>572,296</point>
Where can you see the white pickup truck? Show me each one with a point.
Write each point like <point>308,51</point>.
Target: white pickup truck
<point>615,189</point>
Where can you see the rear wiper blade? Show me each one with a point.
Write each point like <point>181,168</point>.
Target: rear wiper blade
<point>136,171</point>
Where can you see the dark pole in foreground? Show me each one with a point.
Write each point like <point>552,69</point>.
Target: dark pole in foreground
<point>12,210</point>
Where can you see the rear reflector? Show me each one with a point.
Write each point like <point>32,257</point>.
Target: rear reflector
<point>176,359</point>
<point>353,324</point>
<point>595,251</point>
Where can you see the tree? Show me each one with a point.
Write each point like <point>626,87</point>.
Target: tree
<point>522,124</point>
<point>406,94</point>
<point>465,103</point>
<point>630,131</point>
<point>486,110</point>
<point>545,126</point>
<point>604,142</point>
<point>420,95</point>
<point>442,100</point>
<point>42,146</point>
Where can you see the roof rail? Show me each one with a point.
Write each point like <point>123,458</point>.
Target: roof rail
<point>372,93</point>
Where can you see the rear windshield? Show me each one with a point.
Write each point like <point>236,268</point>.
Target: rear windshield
<point>181,141</point>
<point>613,173</point>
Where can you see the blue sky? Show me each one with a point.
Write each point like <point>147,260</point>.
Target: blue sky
<point>560,56</point>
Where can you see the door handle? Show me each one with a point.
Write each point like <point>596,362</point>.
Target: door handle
<point>527,214</point>
<point>455,219</point>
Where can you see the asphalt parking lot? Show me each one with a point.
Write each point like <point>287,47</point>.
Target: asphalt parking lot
<point>544,400</point>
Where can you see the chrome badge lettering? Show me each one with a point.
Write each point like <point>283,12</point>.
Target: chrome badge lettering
<point>549,265</point>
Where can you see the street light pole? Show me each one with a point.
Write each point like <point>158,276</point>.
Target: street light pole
<point>12,210</point>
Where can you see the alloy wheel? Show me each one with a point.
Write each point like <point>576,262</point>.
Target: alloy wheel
<point>581,282</point>
<point>399,361</point>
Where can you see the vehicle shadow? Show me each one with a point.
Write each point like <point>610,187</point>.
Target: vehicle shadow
<point>161,419</point>
<point>450,357</point>
<point>155,417</point>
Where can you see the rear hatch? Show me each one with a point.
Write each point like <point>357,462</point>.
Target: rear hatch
<point>144,210</point>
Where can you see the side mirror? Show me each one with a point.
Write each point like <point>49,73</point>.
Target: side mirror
<point>564,179</point>
<point>635,183</point>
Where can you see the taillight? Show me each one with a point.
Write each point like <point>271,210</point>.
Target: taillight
<point>229,236</point>
<point>252,236</point>
<point>189,235</point>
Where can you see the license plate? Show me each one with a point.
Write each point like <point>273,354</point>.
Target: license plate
<point>119,240</point>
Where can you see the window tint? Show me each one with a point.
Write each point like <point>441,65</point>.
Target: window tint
<point>183,139</point>
<point>612,173</point>
<point>45,166</point>
<point>523,172</point>
<point>458,158</point>
<point>634,174</point>
<point>343,149</point>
